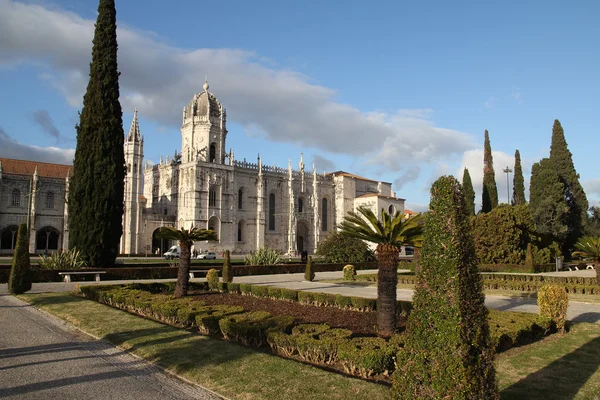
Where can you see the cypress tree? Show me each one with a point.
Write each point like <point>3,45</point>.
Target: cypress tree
<point>226,273</point>
<point>574,195</point>
<point>448,352</point>
<point>518,182</point>
<point>309,272</point>
<point>489,198</point>
<point>468,192</point>
<point>547,203</point>
<point>96,190</point>
<point>19,280</point>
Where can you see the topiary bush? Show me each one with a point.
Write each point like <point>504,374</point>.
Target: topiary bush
<point>341,249</point>
<point>309,273</point>
<point>252,328</point>
<point>19,280</point>
<point>448,350</point>
<point>212,277</point>
<point>349,272</point>
<point>263,256</point>
<point>227,273</point>
<point>367,356</point>
<point>553,302</point>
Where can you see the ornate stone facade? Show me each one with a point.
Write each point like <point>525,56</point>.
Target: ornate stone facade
<point>248,204</point>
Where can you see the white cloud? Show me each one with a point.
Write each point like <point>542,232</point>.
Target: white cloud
<point>409,175</point>
<point>592,187</point>
<point>490,102</point>
<point>281,105</point>
<point>9,148</point>
<point>323,164</point>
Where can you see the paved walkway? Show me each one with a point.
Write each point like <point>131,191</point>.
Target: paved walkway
<point>578,311</point>
<point>42,358</point>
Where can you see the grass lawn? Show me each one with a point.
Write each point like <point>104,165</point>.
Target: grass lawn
<point>556,367</point>
<point>225,367</point>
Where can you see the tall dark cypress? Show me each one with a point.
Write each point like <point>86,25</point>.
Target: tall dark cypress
<point>96,189</point>
<point>546,201</point>
<point>489,197</point>
<point>468,193</point>
<point>518,182</point>
<point>562,160</point>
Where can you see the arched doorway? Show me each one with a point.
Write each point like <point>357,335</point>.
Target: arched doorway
<point>162,245</point>
<point>303,236</point>
<point>8,237</point>
<point>46,239</point>
<point>214,224</point>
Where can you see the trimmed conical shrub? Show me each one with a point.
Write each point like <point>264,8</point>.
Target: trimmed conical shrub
<point>448,353</point>
<point>227,273</point>
<point>20,274</point>
<point>309,273</point>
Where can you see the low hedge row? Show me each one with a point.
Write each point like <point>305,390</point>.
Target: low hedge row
<point>559,280</point>
<point>314,343</point>
<point>525,286</point>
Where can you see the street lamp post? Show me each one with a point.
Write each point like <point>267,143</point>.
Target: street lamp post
<point>507,171</point>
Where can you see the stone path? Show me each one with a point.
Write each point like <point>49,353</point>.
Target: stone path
<point>41,357</point>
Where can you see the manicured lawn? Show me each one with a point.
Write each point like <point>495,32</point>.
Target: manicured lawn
<point>556,367</point>
<point>227,368</point>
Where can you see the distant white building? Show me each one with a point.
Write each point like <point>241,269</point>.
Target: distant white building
<point>248,204</point>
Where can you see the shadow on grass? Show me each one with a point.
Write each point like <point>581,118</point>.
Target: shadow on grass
<point>172,348</point>
<point>593,317</point>
<point>562,378</point>
<point>49,299</point>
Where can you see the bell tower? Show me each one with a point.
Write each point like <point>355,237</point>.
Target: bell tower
<point>132,213</point>
<point>204,129</point>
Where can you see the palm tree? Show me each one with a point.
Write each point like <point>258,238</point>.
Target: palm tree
<point>389,233</point>
<point>589,247</point>
<point>186,238</point>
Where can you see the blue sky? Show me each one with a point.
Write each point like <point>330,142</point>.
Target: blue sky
<point>396,91</point>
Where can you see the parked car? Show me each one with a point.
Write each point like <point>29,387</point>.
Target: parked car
<point>173,252</point>
<point>207,256</point>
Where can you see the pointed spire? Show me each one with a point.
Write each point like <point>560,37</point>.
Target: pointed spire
<point>259,165</point>
<point>205,86</point>
<point>35,173</point>
<point>134,131</point>
<point>301,163</point>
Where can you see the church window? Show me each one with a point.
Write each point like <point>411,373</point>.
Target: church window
<point>50,200</point>
<point>16,198</point>
<point>240,232</point>
<point>272,212</point>
<point>240,199</point>
<point>324,214</point>
<point>300,205</point>
<point>213,153</point>
<point>212,198</point>
<point>392,210</point>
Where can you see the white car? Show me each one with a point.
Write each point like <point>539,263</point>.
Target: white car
<point>207,256</point>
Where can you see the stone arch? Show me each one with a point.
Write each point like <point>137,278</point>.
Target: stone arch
<point>303,238</point>
<point>159,243</point>
<point>47,239</point>
<point>214,224</point>
<point>8,237</point>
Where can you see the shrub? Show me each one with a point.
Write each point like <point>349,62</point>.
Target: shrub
<point>226,273</point>
<point>245,288</point>
<point>309,273</point>
<point>20,272</point>
<point>207,318</point>
<point>251,328</point>
<point>341,249</point>
<point>306,297</point>
<point>363,304</point>
<point>529,257</point>
<point>223,287</point>
<point>367,356</point>
<point>553,301</point>
<point>450,356</point>
<point>289,294</point>
<point>263,256</point>
<point>233,288</point>
<point>343,301</point>
<point>274,292</point>
<point>259,291</point>
<point>63,260</point>
<point>212,277</point>
<point>349,272</point>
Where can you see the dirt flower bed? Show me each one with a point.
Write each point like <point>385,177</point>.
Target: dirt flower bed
<point>361,323</point>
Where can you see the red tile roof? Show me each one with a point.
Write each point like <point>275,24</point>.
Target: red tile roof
<point>23,167</point>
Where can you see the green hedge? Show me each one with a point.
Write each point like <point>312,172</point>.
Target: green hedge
<point>251,328</point>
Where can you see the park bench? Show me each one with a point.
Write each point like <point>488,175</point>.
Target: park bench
<point>197,271</point>
<point>67,275</point>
